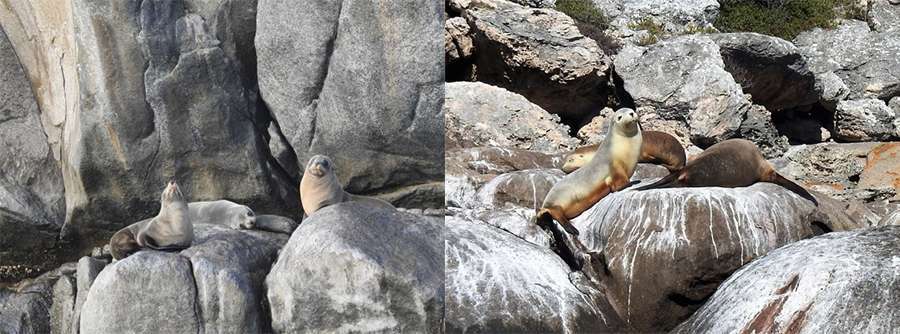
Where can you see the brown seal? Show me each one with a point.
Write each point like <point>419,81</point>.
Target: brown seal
<point>171,229</point>
<point>657,147</point>
<point>731,163</point>
<point>610,170</point>
<point>319,187</point>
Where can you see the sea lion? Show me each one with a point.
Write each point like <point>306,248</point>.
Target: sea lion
<point>222,212</point>
<point>171,229</point>
<point>731,163</point>
<point>657,147</point>
<point>319,187</point>
<point>610,170</point>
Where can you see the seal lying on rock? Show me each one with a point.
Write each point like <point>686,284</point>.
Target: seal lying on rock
<point>731,163</point>
<point>658,148</point>
<point>610,170</point>
<point>171,229</point>
<point>237,216</point>
<point>319,187</point>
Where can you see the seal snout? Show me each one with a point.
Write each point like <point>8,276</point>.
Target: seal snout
<point>319,165</point>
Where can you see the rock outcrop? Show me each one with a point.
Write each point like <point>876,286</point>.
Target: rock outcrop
<point>362,81</point>
<point>865,120</point>
<point>836,283</point>
<point>357,267</point>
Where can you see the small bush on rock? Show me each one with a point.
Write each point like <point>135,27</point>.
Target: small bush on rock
<point>591,22</point>
<point>785,19</point>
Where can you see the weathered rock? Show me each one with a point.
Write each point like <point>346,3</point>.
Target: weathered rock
<point>835,283</point>
<point>511,218</point>
<point>540,54</point>
<point>458,44</point>
<point>536,3</point>
<point>770,69</point>
<point>478,114</point>
<point>882,168</point>
<point>684,79</point>
<point>830,168</point>
<point>87,271</point>
<point>27,307</point>
<point>32,205</point>
<point>866,61</point>
<point>668,249</point>
<point>833,89</point>
<point>595,130</point>
<point>469,168</point>
<point>758,128</point>
<point>365,268</point>
<point>369,95</point>
<point>865,120</point>
<point>496,282</point>
<point>526,188</point>
<point>884,15</point>
<point>62,310</point>
<point>216,285</point>
<point>890,219</point>
<point>673,17</point>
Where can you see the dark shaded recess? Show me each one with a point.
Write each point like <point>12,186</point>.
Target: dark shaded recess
<point>801,125</point>
<point>820,228</point>
<point>685,301</point>
<point>622,97</point>
<point>460,70</point>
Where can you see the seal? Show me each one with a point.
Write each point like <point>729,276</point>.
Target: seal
<point>731,163</point>
<point>222,212</point>
<point>171,229</point>
<point>610,170</point>
<point>657,147</point>
<point>319,187</point>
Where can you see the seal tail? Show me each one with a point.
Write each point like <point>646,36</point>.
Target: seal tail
<point>796,188</point>
<point>669,181</point>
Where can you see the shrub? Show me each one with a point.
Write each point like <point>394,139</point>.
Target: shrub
<point>591,22</point>
<point>785,19</point>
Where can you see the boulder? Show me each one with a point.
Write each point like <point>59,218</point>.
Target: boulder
<point>890,219</point>
<point>159,99</point>
<point>477,114</point>
<point>770,69</point>
<point>882,168</point>
<point>62,311</point>
<point>684,79</point>
<point>458,45</point>
<point>667,250</point>
<point>540,54</point>
<point>831,168</point>
<point>469,168</point>
<point>866,61</point>
<point>32,204</point>
<point>594,131</point>
<point>835,283</point>
<point>759,128</point>
<point>884,15</point>
<point>28,307</point>
<point>672,17</point>
<point>865,120</point>
<point>87,271</point>
<point>216,285</point>
<point>496,282</point>
<point>363,82</point>
<point>358,267</point>
<point>525,188</point>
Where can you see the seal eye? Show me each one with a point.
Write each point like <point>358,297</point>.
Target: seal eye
<point>249,213</point>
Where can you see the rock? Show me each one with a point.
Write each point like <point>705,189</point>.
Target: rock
<point>496,282</point>
<point>87,271</point>
<point>668,249</point>
<point>759,128</point>
<point>882,168</point>
<point>833,89</point>
<point>866,61</point>
<point>382,127</point>
<point>595,131</point>
<point>458,44</point>
<point>470,168</point>
<point>478,114</point>
<point>367,268</point>
<point>27,307</point>
<point>526,188</point>
<point>540,54</point>
<point>62,310</point>
<point>890,219</point>
<point>517,220</point>
<point>160,98</point>
<point>770,69</point>
<point>673,17</point>
<point>216,285</point>
<point>804,127</point>
<point>830,168</point>
<point>865,120</point>
<point>32,205</point>
<point>835,283</point>
<point>536,3</point>
<point>684,79</point>
<point>884,15</point>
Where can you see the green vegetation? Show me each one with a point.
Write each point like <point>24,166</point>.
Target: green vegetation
<point>591,22</point>
<point>654,30</point>
<point>785,19</point>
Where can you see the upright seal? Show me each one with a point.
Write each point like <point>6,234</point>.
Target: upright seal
<point>657,147</point>
<point>171,229</point>
<point>319,187</point>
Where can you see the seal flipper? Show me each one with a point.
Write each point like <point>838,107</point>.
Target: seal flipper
<point>669,181</point>
<point>796,188</point>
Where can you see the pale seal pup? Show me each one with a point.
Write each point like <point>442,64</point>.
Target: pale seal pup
<point>319,187</point>
<point>657,148</point>
<point>171,229</point>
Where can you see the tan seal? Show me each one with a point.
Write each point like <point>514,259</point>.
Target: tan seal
<point>319,187</point>
<point>657,147</point>
<point>171,229</point>
<point>610,170</point>
<point>731,163</point>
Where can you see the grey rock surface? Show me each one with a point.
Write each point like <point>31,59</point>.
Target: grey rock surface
<point>363,83</point>
<point>865,120</point>
<point>538,53</point>
<point>684,79</point>
<point>674,17</point>
<point>836,283</point>
<point>358,267</point>
<point>478,114</point>
<point>497,282</point>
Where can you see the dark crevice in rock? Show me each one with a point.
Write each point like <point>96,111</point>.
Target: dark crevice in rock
<point>820,228</point>
<point>198,316</point>
<point>623,98</point>
<point>685,301</point>
<point>803,125</point>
